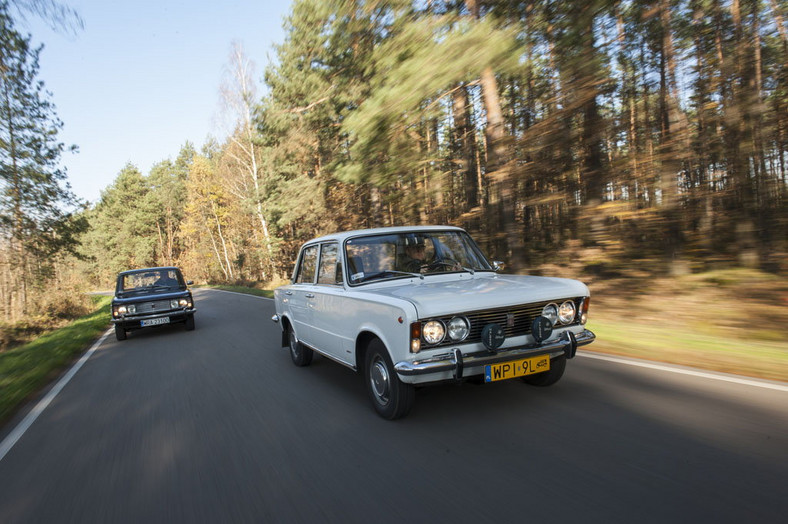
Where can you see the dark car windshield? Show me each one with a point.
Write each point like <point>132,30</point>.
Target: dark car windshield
<point>150,280</point>
<point>402,255</point>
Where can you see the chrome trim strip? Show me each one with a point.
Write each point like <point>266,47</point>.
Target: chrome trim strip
<point>275,318</point>
<point>449,361</point>
<point>322,353</point>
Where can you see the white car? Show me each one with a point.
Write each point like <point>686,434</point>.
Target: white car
<point>409,306</point>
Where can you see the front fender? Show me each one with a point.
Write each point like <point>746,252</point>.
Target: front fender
<point>392,328</point>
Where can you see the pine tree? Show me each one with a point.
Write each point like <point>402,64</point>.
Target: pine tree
<point>34,196</point>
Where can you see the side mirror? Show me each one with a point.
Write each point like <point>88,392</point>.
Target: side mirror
<point>189,282</point>
<point>498,265</point>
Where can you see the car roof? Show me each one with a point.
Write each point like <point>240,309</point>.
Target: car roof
<point>143,270</point>
<point>342,236</point>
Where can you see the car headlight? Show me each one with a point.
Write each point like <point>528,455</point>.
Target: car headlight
<point>566,313</point>
<point>183,302</point>
<point>122,310</point>
<point>433,332</point>
<point>458,329</point>
<point>173,304</point>
<point>550,312</point>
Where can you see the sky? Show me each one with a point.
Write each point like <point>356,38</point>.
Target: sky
<point>143,77</point>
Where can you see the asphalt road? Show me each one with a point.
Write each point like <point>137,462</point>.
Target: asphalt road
<point>217,425</point>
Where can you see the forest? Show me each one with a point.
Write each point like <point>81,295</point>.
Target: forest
<point>620,135</point>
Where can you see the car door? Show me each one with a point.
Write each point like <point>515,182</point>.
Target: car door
<point>301,293</point>
<point>327,305</point>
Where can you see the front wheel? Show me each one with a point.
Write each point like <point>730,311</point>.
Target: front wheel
<point>190,323</point>
<point>391,397</point>
<point>120,333</point>
<point>301,355</point>
<point>548,378</point>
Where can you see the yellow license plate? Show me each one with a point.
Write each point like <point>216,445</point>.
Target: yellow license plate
<point>516,368</point>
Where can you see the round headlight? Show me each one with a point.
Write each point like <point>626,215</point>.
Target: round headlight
<point>550,312</point>
<point>458,329</point>
<point>566,313</point>
<point>173,304</point>
<point>121,310</point>
<point>183,302</point>
<point>433,332</point>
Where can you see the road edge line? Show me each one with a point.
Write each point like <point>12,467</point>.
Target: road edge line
<point>691,372</point>
<point>12,438</point>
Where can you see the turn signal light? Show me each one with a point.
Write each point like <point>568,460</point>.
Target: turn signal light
<point>584,310</point>
<point>415,337</point>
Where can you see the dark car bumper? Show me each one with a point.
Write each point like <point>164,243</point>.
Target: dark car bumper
<point>135,321</point>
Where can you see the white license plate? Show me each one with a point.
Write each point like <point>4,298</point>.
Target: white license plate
<point>155,321</point>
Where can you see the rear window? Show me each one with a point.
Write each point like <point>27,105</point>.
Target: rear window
<point>308,266</point>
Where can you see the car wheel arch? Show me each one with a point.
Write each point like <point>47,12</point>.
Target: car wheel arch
<point>286,327</point>
<point>363,340</point>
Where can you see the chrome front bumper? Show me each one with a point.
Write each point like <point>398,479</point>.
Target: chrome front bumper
<point>456,362</point>
<point>136,319</point>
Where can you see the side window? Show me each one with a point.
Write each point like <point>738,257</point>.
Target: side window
<point>306,271</point>
<point>330,269</point>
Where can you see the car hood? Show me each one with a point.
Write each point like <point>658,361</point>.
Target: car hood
<point>479,293</point>
<point>131,298</point>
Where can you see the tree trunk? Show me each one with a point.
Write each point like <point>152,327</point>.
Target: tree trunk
<point>228,264</point>
<point>501,175</point>
<point>466,145</point>
<point>672,140</point>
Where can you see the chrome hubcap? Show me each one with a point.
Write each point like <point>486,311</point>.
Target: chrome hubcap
<point>379,380</point>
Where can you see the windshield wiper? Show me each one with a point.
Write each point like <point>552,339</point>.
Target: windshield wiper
<point>407,273</point>
<point>388,274</point>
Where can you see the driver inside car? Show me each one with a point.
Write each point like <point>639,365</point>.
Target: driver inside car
<point>415,260</point>
<point>165,280</point>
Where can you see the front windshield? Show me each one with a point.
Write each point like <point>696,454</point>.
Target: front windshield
<point>149,280</point>
<point>408,254</point>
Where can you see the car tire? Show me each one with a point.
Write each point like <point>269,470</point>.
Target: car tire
<point>120,333</point>
<point>301,355</point>
<point>391,397</point>
<point>548,378</point>
<point>190,323</point>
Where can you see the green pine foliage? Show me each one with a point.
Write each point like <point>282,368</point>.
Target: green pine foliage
<point>36,205</point>
<point>642,133</point>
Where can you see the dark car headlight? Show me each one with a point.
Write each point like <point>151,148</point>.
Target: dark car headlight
<point>129,309</point>
<point>180,302</point>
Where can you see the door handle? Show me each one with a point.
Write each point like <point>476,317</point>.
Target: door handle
<point>288,293</point>
<point>309,295</point>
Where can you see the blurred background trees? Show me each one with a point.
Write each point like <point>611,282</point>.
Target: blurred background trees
<point>616,131</point>
<point>643,135</point>
<point>36,225</point>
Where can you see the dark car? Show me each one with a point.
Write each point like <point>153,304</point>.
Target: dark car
<point>151,297</point>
